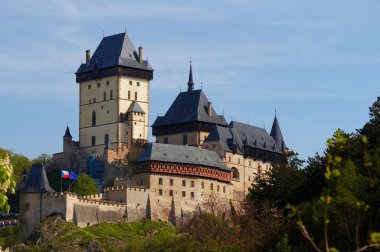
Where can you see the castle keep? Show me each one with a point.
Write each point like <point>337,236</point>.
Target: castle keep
<point>197,154</point>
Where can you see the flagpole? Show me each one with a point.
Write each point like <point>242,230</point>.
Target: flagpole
<point>61,177</point>
<point>69,177</point>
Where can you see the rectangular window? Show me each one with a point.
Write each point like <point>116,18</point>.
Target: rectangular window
<point>171,193</point>
<point>130,83</point>
<point>111,95</point>
<point>184,139</point>
<point>171,182</point>
<point>129,95</point>
<point>160,181</point>
<point>183,194</point>
<point>135,96</point>
<point>98,84</point>
<point>192,194</point>
<point>93,141</point>
<point>183,182</point>
<point>166,140</point>
<point>106,137</point>
<point>138,84</point>
<point>160,192</point>
<point>192,183</point>
<point>104,96</point>
<point>89,86</point>
<point>108,83</point>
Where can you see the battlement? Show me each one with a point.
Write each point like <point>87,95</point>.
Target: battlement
<point>125,188</point>
<point>101,202</point>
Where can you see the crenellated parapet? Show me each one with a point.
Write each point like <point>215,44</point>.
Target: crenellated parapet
<point>126,188</point>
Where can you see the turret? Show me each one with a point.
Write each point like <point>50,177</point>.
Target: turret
<point>190,83</point>
<point>277,135</point>
<point>67,137</point>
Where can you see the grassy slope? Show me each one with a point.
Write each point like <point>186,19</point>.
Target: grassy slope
<point>54,234</point>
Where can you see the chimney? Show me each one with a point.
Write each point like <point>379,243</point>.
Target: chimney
<point>140,54</point>
<point>88,57</point>
<point>209,108</point>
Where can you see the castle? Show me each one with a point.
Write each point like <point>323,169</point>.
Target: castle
<point>197,154</point>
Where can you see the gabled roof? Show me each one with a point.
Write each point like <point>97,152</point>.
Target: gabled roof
<point>237,135</point>
<point>37,181</point>
<point>277,135</point>
<point>67,132</point>
<point>181,154</point>
<point>115,50</point>
<point>135,107</point>
<point>189,106</point>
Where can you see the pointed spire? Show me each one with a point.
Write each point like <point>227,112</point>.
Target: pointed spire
<point>277,135</point>
<point>67,133</point>
<point>190,84</point>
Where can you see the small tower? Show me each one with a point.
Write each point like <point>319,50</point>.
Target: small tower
<point>277,135</point>
<point>67,139</point>
<point>135,121</point>
<point>31,200</point>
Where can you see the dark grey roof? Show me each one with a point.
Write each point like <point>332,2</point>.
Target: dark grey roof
<point>189,106</point>
<point>277,135</point>
<point>181,154</point>
<point>237,135</point>
<point>190,83</point>
<point>135,107</point>
<point>37,181</point>
<point>67,132</point>
<point>115,50</point>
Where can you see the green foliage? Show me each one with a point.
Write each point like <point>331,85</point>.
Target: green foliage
<point>56,234</point>
<point>85,185</point>
<point>282,184</point>
<point>9,237</point>
<point>283,245</point>
<point>19,162</point>
<point>54,177</point>
<point>7,183</point>
<point>43,159</point>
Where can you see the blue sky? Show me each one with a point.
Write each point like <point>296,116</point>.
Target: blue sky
<point>316,62</point>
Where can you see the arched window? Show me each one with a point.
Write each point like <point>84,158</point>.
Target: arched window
<point>93,118</point>
<point>203,185</point>
<point>235,174</point>
<point>217,188</point>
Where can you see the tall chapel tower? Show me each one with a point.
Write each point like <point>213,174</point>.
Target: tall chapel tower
<point>114,96</point>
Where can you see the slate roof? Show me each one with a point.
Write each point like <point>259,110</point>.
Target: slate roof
<point>67,132</point>
<point>277,135</point>
<point>181,154</point>
<point>115,50</point>
<point>37,181</point>
<point>135,107</point>
<point>240,134</point>
<point>189,106</point>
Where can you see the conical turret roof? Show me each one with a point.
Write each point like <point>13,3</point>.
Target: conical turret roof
<point>67,133</point>
<point>277,135</point>
<point>37,181</point>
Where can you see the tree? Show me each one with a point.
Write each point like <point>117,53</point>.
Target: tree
<point>85,185</point>
<point>7,183</point>
<point>43,159</point>
<point>282,184</point>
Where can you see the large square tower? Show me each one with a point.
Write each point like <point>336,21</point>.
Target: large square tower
<point>114,88</point>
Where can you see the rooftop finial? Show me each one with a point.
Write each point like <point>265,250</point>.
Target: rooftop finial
<point>190,84</point>
<point>275,112</point>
